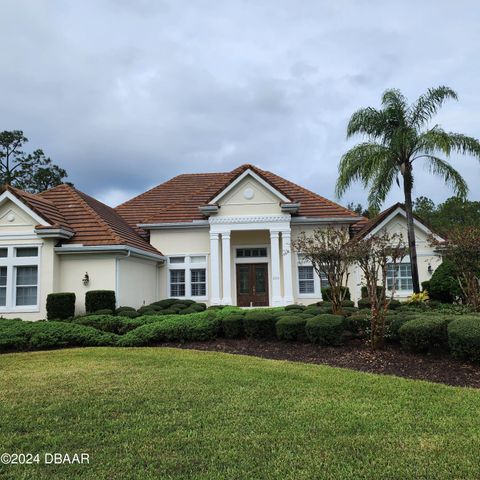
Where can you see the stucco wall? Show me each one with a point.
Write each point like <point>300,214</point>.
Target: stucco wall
<point>72,269</point>
<point>137,282</point>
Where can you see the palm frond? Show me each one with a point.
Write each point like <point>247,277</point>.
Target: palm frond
<point>428,104</point>
<point>366,121</point>
<point>450,176</point>
<point>437,140</point>
<point>381,184</point>
<point>361,163</point>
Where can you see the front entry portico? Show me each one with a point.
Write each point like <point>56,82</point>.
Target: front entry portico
<point>225,274</point>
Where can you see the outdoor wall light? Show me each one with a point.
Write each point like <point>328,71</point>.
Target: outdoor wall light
<point>430,269</point>
<point>86,279</point>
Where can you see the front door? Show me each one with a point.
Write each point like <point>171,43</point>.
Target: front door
<point>252,284</point>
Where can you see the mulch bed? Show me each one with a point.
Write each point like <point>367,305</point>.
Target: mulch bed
<point>354,355</point>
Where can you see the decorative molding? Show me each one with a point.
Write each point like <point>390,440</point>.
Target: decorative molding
<point>232,220</point>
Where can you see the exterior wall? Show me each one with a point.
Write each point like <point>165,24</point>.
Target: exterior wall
<point>101,270</point>
<point>137,282</point>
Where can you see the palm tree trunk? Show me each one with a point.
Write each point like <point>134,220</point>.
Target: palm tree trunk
<point>407,189</point>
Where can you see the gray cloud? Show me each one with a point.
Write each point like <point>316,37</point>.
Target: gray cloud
<point>127,93</point>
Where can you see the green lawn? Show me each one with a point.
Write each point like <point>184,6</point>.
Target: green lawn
<point>163,413</point>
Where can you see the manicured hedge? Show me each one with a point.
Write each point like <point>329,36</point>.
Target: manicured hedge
<point>60,305</point>
<point>259,324</point>
<point>194,327</point>
<point>464,338</point>
<point>424,334</point>
<point>232,326</point>
<point>295,306</point>
<point>99,299</point>
<point>326,293</point>
<point>358,323</point>
<point>291,328</point>
<point>325,329</point>
<point>20,335</point>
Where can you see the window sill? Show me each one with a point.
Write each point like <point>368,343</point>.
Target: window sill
<point>20,310</point>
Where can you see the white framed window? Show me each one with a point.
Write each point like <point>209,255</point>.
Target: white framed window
<point>401,274</point>
<point>19,278</point>
<point>188,276</point>
<point>309,283</point>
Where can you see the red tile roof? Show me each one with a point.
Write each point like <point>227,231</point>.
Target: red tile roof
<point>179,199</point>
<point>93,222</point>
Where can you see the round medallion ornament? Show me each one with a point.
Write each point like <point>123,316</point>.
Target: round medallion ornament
<point>248,193</point>
<point>10,217</point>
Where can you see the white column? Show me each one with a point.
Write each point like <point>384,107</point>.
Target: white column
<point>214,270</point>
<point>287,268</point>
<point>226,275</point>
<point>275,263</point>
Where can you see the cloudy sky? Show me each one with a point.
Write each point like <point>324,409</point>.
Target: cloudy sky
<point>125,94</point>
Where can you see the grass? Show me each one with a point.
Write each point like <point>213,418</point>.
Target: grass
<point>155,413</point>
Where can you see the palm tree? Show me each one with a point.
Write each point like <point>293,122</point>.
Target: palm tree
<point>396,137</point>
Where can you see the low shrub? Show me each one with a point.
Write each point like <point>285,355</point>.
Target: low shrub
<point>444,285</point>
<point>167,302</point>
<point>325,329</point>
<point>60,305</point>
<point>424,334</point>
<point>295,307</point>
<point>258,324</point>
<point>128,313</point>
<point>394,322</point>
<point>364,303</point>
<point>120,310</point>
<point>348,303</point>
<point>326,293</point>
<point>45,335</point>
<point>394,304</point>
<point>358,324</point>
<point>99,299</point>
<point>464,338</point>
<point>103,311</point>
<point>232,326</point>
<point>105,323</point>
<point>195,327</point>
<point>291,328</point>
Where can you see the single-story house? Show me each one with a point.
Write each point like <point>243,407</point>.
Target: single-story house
<point>218,238</point>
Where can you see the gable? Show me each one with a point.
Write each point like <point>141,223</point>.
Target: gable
<point>398,225</point>
<point>15,219</point>
<point>249,197</point>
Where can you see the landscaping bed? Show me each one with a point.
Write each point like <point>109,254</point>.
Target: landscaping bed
<point>392,360</point>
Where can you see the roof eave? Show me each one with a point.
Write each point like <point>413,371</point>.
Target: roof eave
<point>137,252</point>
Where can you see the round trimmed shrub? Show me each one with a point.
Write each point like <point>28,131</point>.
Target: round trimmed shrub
<point>103,311</point>
<point>325,329</point>
<point>167,302</point>
<point>394,304</point>
<point>464,338</point>
<point>129,314</point>
<point>364,303</point>
<point>291,328</point>
<point>424,334</point>
<point>358,323</point>
<point>295,307</point>
<point>232,326</point>
<point>99,300</point>
<point>259,324</point>
<point>125,309</point>
<point>348,303</point>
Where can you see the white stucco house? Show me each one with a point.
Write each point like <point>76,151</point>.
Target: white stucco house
<point>218,238</point>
